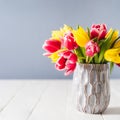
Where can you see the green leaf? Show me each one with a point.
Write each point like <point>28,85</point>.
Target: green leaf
<point>88,30</point>
<point>83,51</point>
<point>101,42</point>
<point>111,67</point>
<point>96,58</point>
<point>80,55</point>
<point>105,45</point>
<point>91,60</point>
<point>78,26</point>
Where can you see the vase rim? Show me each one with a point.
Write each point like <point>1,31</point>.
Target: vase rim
<point>93,63</point>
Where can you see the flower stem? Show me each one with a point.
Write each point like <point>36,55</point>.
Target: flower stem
<point>87,59</point>
<point>91,58</point>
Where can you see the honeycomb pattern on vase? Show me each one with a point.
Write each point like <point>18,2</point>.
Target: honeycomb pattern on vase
<point>93,92</point>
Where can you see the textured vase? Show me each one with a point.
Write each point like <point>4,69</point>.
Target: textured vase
<point>92,91</point>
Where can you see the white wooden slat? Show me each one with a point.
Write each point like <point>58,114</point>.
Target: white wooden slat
<point>52,105</point>
<point>22,105</point>
<point>48,100</point>
<point>8,90</point>
<point>113,110</point>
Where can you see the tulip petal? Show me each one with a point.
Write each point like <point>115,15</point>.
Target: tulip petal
<point>81,37</point>
<point>59,67</point>
<point>117,44</point>
<point>94,33</point>
<point>98,31</point>
<point>61,61</point>
<point>58,34</point>
<point>53,42</point>
<point>73,58</point>
<point>70,65</point>
<point>66,54</point>
<point>60,64</point>
<point>92,48</point>
<point>70,68</point>
<point>50,48</point>
<point>113,55</point>
<point>118,65</point>
<point>114,36</point>
<point>51,45</point>
<point>46,54</point>
<point>68,72</point>
<point>54,56</point>
<point>68,44</point>
<point>102,34</point>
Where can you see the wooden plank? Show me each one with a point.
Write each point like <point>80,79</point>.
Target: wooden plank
<point>52,105</point>
<point>48,100</point>
<point>22,105</point>
<point>55,104</point>
<point>8,90</point>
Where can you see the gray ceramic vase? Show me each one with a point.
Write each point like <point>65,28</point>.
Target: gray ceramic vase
<point>91,82</point>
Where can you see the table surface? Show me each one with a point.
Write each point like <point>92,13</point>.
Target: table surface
<point>48,100</point>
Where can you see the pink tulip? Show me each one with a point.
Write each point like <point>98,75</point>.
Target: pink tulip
<point>51,46</point>
<point>118,65</point>
<point>98,31</point>
<point>91,48</point>
<point>67,62</point>
<point>69,41</point>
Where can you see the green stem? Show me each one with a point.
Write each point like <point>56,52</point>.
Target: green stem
<point>87,59</point>
<point>91,58</point>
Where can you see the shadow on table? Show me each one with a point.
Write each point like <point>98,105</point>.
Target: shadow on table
<point>112,111</point>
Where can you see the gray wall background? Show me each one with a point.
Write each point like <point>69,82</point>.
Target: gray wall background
<point>25,24</point>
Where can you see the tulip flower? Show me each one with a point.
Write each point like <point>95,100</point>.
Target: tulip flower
<point>117,44</point>
<point>91,48</point>
<point>113,55</point>
<point>118,65</point>
<point>51,46</point>
<point>58,34</point>
<point>96,45</point>
<point>69,42</point>
<point>98,31</point>
<point>67,62</point>
<point>81,36</point>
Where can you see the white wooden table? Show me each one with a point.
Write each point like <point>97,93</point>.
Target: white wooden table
<point>48,100</point>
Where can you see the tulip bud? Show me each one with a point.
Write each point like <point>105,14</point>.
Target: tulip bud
<point>118,65</point>
<point>60,64</point>
<point>69,41</point>
<point>91,48</point>
<point>67,62</point>
<point>51,46</point>
<point>98,31</point>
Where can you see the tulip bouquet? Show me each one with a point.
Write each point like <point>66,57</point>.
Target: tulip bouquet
<point>94,45</point>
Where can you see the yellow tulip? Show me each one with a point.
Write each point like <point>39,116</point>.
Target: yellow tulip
<point>114,36</point>
<point>81,36</point>
<point>54,57</point>
<point>65,29</point>
<point>117,44</point>
<point>113,55</point>
<point>57,34</point>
